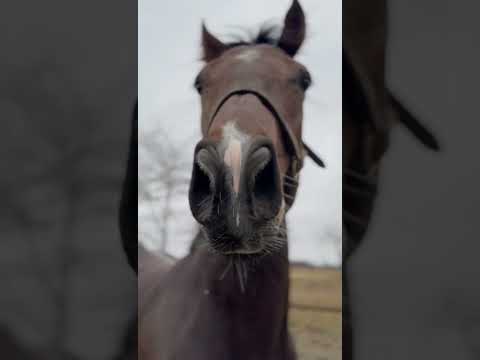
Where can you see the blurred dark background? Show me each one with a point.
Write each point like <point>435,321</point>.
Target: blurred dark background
<point>68,83</point>
<point>415,279</point>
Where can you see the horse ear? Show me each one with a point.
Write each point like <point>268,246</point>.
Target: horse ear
<point>211,46</point>
<point>294,29</point>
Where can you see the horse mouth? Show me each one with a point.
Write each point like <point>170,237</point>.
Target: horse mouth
<point>238,248</point>
<point>266,243</point>
<point>243,252</point>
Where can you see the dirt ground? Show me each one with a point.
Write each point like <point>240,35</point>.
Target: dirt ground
<point>315,313</point>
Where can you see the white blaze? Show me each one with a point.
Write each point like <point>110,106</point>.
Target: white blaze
<point>249,55</point>
<point>233,159</point>
<point>234,142</point>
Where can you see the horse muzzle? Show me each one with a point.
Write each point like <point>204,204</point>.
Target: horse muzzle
<point>235,189</point>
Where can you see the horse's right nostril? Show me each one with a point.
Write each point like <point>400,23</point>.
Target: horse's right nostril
<point>203,182</point>
<point>264,182</point>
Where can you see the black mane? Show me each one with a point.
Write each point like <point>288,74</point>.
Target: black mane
<point>267,34</point>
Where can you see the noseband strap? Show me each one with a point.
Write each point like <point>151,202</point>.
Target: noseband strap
<point>296,147</point>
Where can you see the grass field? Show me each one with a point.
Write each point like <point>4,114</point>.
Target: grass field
<point>315,312</point>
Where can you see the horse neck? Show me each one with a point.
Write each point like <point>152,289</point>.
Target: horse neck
<point>261,277</point>
<point>256,313</point>
<point>199,303</point>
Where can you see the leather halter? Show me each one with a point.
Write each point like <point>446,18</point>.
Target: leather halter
<point>295,147</point>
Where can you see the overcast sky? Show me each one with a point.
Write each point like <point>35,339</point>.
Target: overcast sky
<point>169,34</point>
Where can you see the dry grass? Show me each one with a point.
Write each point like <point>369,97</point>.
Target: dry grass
<point>315,314</point>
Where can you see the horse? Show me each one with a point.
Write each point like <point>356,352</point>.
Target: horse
<point>228,298</point>
<point>370,111</point>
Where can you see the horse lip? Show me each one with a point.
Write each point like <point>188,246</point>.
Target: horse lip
<point>243,252</point>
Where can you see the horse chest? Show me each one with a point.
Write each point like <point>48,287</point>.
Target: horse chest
<point>197,320</point>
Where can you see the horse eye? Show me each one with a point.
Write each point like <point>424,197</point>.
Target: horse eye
<point>198,85</point>
<point>305,80</point>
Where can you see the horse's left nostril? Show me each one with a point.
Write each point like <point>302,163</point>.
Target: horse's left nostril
<point>264,182</point>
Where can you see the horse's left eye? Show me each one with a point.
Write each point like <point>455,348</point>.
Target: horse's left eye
<point>305,80</point>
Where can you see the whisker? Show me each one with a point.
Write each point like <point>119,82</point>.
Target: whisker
<point>238,270</point>
<point>245,272</point>
<point>275,243</point>
<point>227,268</point>
<point>286,183</point>
<point>290,181</point>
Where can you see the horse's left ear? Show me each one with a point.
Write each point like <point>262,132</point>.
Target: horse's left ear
<point>211,46</point>
<point>294,30</point>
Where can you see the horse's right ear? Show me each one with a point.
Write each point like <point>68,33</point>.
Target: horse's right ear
<point>211,46</point>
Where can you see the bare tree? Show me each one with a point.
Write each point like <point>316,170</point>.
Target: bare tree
<point>164,173</point>
<point>45,97</point>
<point>59,118</point>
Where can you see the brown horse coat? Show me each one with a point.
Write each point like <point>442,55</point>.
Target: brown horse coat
<point>209,317</point>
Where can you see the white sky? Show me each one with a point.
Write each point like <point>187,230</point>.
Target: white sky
<point>169,38</point>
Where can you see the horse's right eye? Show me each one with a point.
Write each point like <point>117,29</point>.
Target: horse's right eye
<point>305,80</point>
<point>198,85</point>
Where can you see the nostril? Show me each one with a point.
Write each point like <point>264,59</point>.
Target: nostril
<point>261,173</point>
<point>206,179</point>
<point>265,187</point>
<point>202,184</point>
